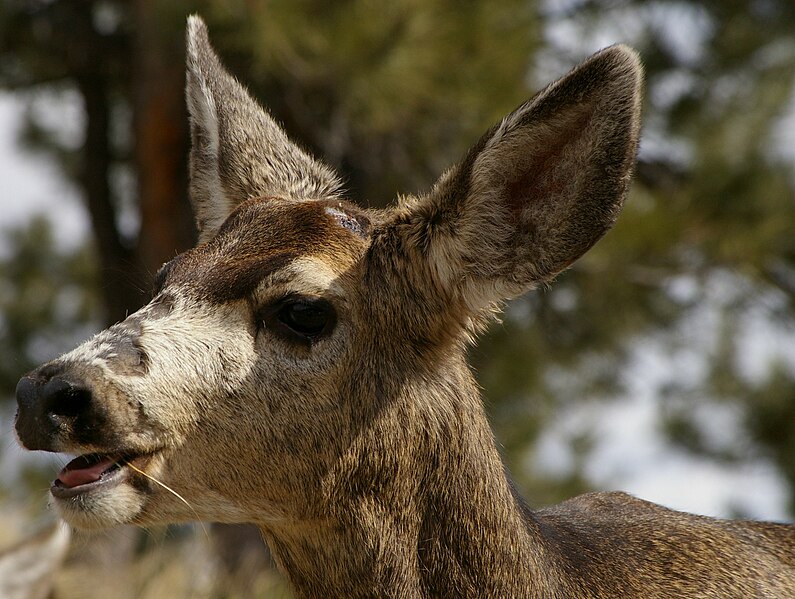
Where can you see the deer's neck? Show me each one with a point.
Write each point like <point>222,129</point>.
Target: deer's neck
<point>417,511</point>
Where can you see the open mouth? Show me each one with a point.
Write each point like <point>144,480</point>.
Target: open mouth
<point>90,472</point>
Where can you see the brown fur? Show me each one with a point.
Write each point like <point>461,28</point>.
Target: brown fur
<point>363,453</point>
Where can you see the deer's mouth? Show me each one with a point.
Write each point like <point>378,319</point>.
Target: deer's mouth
<point>91,472</point>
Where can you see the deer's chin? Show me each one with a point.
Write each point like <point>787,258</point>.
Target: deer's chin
<point>114,493</point>
<point>102,507</point>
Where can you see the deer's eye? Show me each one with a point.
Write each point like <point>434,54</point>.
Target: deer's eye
<point>301,319</point>
<point>304,318</point>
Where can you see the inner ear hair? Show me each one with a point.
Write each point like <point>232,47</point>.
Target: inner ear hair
<point>538,189</point>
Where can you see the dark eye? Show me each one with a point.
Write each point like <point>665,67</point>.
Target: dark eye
<point>301,319</point>
<point>306,319</point>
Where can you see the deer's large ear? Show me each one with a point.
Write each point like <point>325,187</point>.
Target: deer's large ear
<point>536,191</point>
<point>237,150</point>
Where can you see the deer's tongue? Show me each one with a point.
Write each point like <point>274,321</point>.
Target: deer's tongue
<point>86,469</point>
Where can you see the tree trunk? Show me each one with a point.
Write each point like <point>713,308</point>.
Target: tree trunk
<point>121,287</point>
<point>160,134</point>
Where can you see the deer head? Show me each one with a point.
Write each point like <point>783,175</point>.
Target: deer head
<point>308,350</point>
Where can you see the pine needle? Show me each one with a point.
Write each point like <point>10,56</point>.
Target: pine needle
<point>174,493</point>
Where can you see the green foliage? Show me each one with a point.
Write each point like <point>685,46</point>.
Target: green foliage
<point>389,93</point>
<point>47,300</point>
<point>772,420</point>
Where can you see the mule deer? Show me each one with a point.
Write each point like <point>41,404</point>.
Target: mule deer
<point>303,368</point>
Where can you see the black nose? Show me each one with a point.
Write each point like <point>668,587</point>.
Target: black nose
<point>27,391</point>
<point>48,407</point>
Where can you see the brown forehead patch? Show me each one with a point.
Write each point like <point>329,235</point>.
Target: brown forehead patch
<point>264,235</point>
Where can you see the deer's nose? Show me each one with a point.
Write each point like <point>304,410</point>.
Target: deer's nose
<point>49,407</point>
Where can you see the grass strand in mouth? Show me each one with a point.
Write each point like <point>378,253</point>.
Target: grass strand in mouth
<point>173,492</point>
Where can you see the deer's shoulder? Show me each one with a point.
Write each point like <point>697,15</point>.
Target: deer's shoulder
<point>636,541</point>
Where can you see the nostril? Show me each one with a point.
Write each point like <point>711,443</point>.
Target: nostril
<point>55,407</point>
<point>64,398</point>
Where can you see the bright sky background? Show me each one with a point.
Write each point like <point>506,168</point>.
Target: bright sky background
<point>30,184</point>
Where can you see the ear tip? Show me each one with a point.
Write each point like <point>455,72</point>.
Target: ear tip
<point>624,53</point>
<point>196,38</point>
<point>196,29</point>
<point>623,60</point>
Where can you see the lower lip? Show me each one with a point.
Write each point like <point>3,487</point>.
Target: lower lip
<point>110,479</point>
